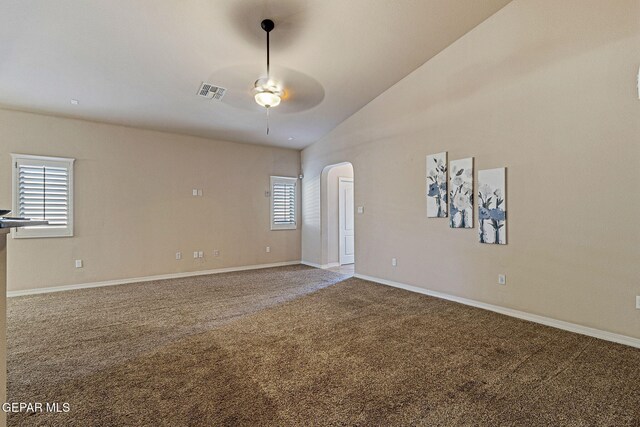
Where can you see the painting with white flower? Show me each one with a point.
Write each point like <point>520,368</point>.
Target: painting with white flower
<point>461,193</point>
<point>492,206</point>
<point>437,185</point>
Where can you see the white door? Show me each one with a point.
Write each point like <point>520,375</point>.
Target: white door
<point>345,209</point>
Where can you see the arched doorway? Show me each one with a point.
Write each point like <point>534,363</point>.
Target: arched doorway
<point>337,216</point>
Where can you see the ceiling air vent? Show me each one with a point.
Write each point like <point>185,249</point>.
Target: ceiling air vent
<point>209,91</point>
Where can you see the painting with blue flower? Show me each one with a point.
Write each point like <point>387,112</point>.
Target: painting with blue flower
<point>461,193</point>
<point>437,185</point>
<point>492,206</point>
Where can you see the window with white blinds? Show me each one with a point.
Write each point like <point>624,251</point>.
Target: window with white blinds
<point>43,190</point>
<point>283,203</point>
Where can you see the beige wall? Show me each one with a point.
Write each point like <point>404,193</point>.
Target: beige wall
<point>134,207</point>
<point>546,88</point>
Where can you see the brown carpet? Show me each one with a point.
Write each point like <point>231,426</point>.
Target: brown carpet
<point>300,346</point>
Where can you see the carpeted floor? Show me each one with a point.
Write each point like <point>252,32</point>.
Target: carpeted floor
<point>301,346</point>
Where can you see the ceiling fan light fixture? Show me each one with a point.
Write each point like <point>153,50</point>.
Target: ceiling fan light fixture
<point>267,98</point>
<point>267,93</point>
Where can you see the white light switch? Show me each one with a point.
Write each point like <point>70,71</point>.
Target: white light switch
<point>394,262</point>
<point>360,209</point>
<point>194,192</point>
<point>178,255</point>
<point>195,254</point>
<point>200,192</point>
<point>268,248</point>
<point>200,254</point>
<point>78,263</point>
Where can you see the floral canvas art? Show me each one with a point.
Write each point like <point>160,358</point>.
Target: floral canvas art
<point>437,206</point>
<point>461,193</point>
<point>492,207</point>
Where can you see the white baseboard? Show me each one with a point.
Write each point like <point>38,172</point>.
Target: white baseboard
<point>311,264</point>
<point>322,266</point>
<point>146,279</point>
<point>560,324</point>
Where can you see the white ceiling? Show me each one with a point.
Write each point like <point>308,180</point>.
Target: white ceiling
<point>141,62</point>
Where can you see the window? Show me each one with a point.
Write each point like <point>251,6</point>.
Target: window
<point>43,190</point>
<point>283,203</point>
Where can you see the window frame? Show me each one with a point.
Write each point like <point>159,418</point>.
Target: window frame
<point>43,231</point>
<point>284,179</point>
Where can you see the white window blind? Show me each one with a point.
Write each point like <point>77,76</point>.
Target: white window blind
<point>283,203</point>
<point>43,191</point>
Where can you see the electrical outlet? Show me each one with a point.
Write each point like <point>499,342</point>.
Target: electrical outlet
<point>216,252</point>
<point>502,279</point>
<point>200,254</point>
<point>200,192</point>
<point>78,263</point>
<point>178,255</point>
<point>394,262</point>
<point>268,249</point>
<point>360,209</point>
<point>638,302</point>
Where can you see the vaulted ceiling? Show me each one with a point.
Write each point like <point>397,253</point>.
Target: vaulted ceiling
<point>141,62</point>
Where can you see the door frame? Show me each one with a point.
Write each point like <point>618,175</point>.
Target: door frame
<point>314,198</point>
<point>341,210</point>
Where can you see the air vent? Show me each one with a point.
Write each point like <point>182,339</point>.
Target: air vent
<point>209,91</point>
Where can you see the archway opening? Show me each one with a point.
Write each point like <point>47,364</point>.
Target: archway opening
<point>338,217</point>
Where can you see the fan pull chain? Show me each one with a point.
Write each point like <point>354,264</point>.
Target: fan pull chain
<point>267,121</point>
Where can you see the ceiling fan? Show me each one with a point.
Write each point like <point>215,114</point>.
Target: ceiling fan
<point>290,90</point>
<point>268,93</point>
